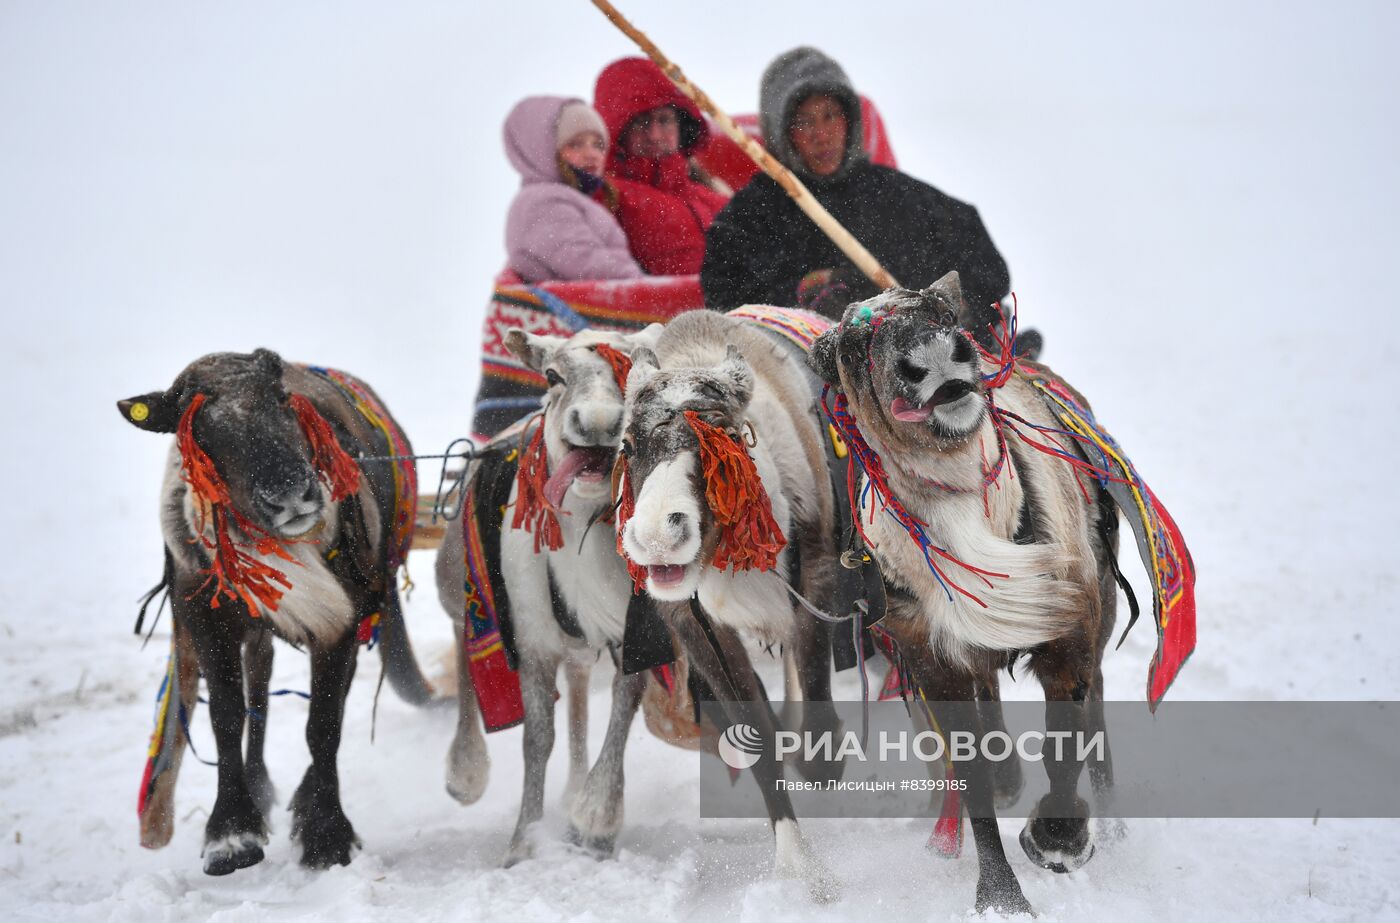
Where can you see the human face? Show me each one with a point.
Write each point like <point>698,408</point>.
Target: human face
<point>656,133</point>
<point>818,134</point>
<point>585,151</point>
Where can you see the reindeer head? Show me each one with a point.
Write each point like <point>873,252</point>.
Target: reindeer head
<point>583,406</point>
<point>907,365</point>
<point>681,422</point>
<point>244,420</point>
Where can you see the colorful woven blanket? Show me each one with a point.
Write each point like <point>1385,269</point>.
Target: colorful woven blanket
<point>508,389</point>
<point>1160,542</point>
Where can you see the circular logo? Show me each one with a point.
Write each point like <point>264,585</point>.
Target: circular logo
<point>139,412</point>
<point>740,746</point>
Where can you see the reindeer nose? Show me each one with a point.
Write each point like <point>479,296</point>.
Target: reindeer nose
<point>593,425</point>
<point>299,497</point>
<point>680,528</point>
<point>662,538</point>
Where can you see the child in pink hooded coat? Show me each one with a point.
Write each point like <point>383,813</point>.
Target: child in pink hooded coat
<point>559,226</point>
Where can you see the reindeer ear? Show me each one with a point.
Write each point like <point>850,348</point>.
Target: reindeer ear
<point>534,351</point>
<point>948,292</point>
<point>822,358</point>
<point>644,338</point>
<point>739,375</point>
<point>269,363</point>
<point>644,365</point>
<point>156,412</point>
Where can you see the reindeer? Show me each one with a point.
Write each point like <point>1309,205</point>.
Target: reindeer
<point>568,590</point>
<point>996,550</point>
<point>725,499</point>
<point>272,527</point>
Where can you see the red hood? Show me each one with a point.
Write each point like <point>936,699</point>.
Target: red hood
<point>630,86</point>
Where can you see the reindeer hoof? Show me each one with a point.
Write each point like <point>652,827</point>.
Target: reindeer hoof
<point>233,852</point>
<point>519,851</point>
<point>326,841</point>
<point>1111,830</point>
<point>467,773</point>
<point>466,794</point>
<point>320,825</point>
<point>599,846</point>
<point>1060,844</point>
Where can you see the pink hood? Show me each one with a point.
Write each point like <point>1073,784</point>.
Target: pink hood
<point>530,137</point>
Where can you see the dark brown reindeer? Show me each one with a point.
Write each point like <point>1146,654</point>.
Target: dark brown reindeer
<point>911,384</point>
<point>272,527</point>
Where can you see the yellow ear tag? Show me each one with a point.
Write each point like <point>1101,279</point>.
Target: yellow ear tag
<point>838,445</point>
<point>139,412</point>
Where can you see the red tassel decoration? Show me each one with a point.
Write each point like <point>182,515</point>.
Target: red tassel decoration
<point>621,364</point>
<point>749,536</point>
<point>626,504</point>
<point>532,510</point>
<point>332,462</point>
<point>235,574</point>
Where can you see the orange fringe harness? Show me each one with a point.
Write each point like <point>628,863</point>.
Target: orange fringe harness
<point>235,573</point>
<point>749,536</point>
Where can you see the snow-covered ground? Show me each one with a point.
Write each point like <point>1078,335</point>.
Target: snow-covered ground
<point>1198,205</point>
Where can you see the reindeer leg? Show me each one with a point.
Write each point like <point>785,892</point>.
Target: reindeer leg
<point>537,676</point>
<point>1056,835</point>
<point>318,820</point>
<point>596,817</point>
<point>1008,777</point>
<point>235,832</point>
<point>257,673</point>
<point>949,691</point>
<point>1109,828</point>
<point>745,702</point>
<point>576,673</point>
<point>468,761</point>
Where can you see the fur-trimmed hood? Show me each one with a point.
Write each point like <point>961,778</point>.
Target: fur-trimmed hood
<point>788,80</point>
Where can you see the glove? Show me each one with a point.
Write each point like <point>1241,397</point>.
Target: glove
<point>829,291</point>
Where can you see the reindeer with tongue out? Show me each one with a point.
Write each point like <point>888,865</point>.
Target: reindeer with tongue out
<point>569,590</point>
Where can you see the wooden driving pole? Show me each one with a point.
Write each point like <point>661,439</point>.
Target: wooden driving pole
<point>784,177</point>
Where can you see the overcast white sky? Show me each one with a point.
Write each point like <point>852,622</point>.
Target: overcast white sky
<point>1198,204</point>
<point>327,179</point>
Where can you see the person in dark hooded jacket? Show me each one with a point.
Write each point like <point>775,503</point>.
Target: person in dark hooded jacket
<point>761,248</point>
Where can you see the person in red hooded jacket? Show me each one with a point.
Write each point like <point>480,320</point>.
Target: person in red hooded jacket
<point>655,127</point>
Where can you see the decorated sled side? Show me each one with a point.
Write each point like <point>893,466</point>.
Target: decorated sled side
<point>508,389</point>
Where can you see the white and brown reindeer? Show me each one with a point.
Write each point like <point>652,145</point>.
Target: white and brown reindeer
<point>272,526</point>
<point>569,593</point>
<point>568,590</point>
<point>725,500</point>
<point>989,548</point>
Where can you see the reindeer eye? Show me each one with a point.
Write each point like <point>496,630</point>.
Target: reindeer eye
<point>626,448</point>
<point>553,377</point>
<point>909,371</point>
<point>711,391</point>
